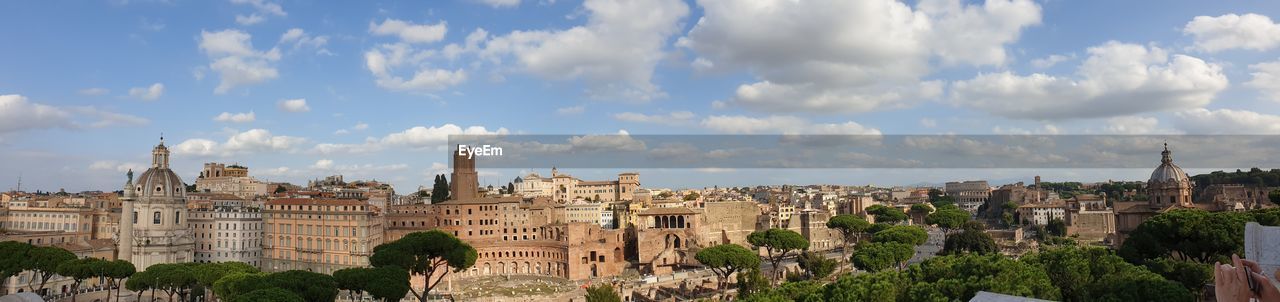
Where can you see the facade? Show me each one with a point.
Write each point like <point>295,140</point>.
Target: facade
<point>667,239</point>
<point>228,233</point>
<point>1089,218</point>
<point>1041,214</point>
<point>154,227</point>
<point>319,235</point>
<point>564,188</point>
<point>233,179</point>
<point>969,195</point>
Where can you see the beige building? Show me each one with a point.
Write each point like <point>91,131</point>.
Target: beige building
<point>155,229</point>
<point>969,195</point>
<point>233,179</point>
<point>228,233</point>
<point>564,188</point>
<point>319,235</point>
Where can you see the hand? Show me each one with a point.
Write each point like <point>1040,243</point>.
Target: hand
<point>1267,292</point>
<point>1229,284</point>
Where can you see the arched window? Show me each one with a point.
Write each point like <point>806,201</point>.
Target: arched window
<point>155,217</point>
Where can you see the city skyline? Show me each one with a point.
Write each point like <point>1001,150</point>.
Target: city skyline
<point>297,91</point>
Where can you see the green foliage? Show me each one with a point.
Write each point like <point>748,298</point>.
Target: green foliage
<point>815,265</point>
<point>207,274</point>
<point>726,259</point>
<point>1187,234</point>
<point>173,278</point>
<point>43,262</point>
<point>778,243</point>
<point>602,293</point>
<point>440,189</point>
<point>12,256</point>
<point>752,281</point>
<point>1255,176</point>
<point>387,283</point>
<point>424,254</point>
<point>802,291</point>
<point>1193,276</point>
<point>948,218</point>
<point>885,214</point>
<point>1274,196</point>
<point>269,295</point>
<point>79,270</point>
<point>233,285</point>
<point>921,208</point>
<point>692,196</point>
<point>885,286</point>
<point>1056,227</point>
<point>1267,217</point>
<point>907,234</point>
<point>882,255</point>
<point>961,277</point>
<point>312,287</point>
<point>971,240</point>
<point>850,226</point>
<point>1096,274</point>
<point>354,279</point>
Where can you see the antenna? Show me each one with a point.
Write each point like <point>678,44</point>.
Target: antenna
<point>19,189</point>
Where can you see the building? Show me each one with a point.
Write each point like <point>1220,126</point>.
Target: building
<point>228,233</point>
<point>155,229</point>
<point>1089,218</point>
<point>233,179</point>
<point>564,188</point>
<point>1236,197</point>
<point>969,195</point>
<point>586,211</point>
<point>667,239</point>
<point>319,235</point>
<point>1168,188</point>
<point>1042,213</point>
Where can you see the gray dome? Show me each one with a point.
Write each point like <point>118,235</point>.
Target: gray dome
<point>1167,172</point>
<point>160,182</point>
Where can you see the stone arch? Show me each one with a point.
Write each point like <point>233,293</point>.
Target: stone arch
<point>680,221</point>
<point>487,268</point>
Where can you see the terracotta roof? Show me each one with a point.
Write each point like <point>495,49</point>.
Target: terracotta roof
<point>482,200</point>
<point>669,211</point>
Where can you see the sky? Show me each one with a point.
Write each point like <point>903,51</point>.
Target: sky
<point>298,90</point>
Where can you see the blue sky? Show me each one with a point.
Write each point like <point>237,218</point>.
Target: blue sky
<point>369,89</point>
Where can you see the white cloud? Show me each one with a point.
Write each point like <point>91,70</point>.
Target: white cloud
<point>1047,129</point>
<point>236,61</point>
<point>1116,79</point>
<point>111,165</point>
<point>410,32</point>
<point>928,122</point>
<point>1226,121</point>
<point>1266,79</point>
<point>501,3</point>
<point>1131,125</point>
<point>19,114</point>
<point>95,91</point>
<point>837,56</point>
<point>360,126</point>
<point>574,110</point>
<point>301,39</point>
<point>149,93</point>
<point>250,19</point>
<point>1232,31</point>
<point>264,6</point>
<point>781,124</point>
<point>1050,61</point>
<point>294,105</point>
<point>675,117</point>
<point>323,164</point>
<point>614,53</point>
<point>417,138</point>
<point>384,60</point>
<point>243,117</point>
<point>238,143</point>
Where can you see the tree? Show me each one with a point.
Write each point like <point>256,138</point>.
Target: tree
<point>429,254</point>
<point>972,240</point>
<point>208,273</point>
<point>1056,227</point>
<point>12,256</point>
<point>912,235</point>
<point>1193,276</point>
<point>1096,274</point>
<point>511,188</point>
<point>808,291</point>
<point>1187,235</point>
<point>752,281</point>
<point>887,286</point>
<point>882,255</point>
<point>959,278</point>
<point>312,287</point>
<point>142,281</point>
<point>388,283</point>
<point>948,219</point>
<point>115,271</point>
<point>43,263</point>
<point>173,278</point>
<point>816,265</point>
<point>851,228</point>
<point>602,293</point>
<point>353,280</point>
<point>887,215</point>
<point>269,295</point>
<point>778,243</point>
<point>727,259</point>
<point>1274,196</point>
<point>231,286</point>
<point>440,189</point>
<point>692,196</point>
<point>79,270</point>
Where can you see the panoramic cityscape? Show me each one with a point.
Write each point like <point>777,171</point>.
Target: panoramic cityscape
<point>639,150</point>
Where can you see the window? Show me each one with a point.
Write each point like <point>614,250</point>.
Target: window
<point>155,217</point>
<point>135,216</point>
<point>177,217</point>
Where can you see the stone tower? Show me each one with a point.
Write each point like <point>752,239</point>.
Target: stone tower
<point>153,226</point>
<point>463,182</point>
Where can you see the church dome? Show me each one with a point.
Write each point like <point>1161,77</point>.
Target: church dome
<point>159,180</point>
<point>1167,172</point>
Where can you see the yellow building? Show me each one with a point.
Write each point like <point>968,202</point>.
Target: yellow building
<point>319,235</point>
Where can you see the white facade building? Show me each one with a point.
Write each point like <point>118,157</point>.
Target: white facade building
<point>153,221</point>
<point>226,234</point>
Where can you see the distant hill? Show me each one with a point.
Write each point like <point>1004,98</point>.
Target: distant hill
<point>1254,176</point>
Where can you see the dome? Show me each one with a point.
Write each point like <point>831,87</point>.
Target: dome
<point>1168,172</point>
<point>159,180</point>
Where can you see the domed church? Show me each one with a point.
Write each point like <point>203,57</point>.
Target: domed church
<point>153,222</point>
